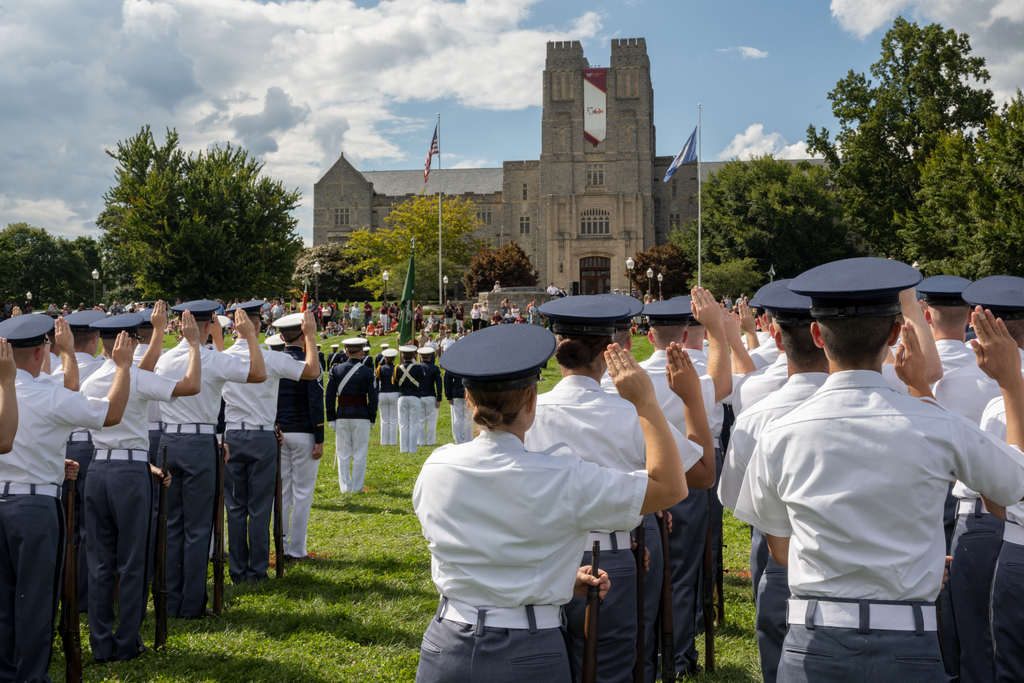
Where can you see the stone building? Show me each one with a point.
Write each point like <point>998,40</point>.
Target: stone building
<point>594,198</point>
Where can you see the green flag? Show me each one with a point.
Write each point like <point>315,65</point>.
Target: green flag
<point>405,317</point>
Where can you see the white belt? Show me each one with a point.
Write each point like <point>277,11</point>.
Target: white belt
<point>131,454</point>
<point>966,506</point>
<point>248,427</point>
<point>191,428</point>
<point>156,426</point>
<point>10,487</point>
<point>80,436</point>
<point>622,540</point>
<point>547,616</point>
<point>847,615</point>
<point>1013,533</point>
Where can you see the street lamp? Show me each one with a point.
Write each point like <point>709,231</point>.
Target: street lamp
<point>386,275</point>
<point>445,280</point>
<point>28,299</point>
<point>95,277</point>
<point>629,264</point>
<point>316,272</point>
<point>650,276</point>
<point>660,278</point>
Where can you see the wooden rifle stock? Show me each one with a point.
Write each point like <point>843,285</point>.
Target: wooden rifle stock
<point>720,582</point>
<point>218,535</point>
<point>668,635</point>
<point>641,637</point>
<point>590,624</point>
<point>708,603</point>
<point>160,563</point>
<point>69,633</point>
<point>278,514</point>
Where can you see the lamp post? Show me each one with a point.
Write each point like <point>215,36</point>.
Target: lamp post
<point>95,278</point>
<point>445,280</point>
<point>316,272</point>
<point>629,265</point>
<point>660,278</point>
<point>386,276</point>
<point>28,300</point>
<point>650,277</point>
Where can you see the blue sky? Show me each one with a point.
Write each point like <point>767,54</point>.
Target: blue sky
<point>299,82</point>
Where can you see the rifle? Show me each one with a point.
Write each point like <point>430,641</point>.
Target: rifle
<point>278,514</point>
<point>720,582</point>
<point>641,637</point>
<point>69,633</point>
<point>668,636</point>
<point>160,563</point>
<point>218,534</point>
<point>590,624</point>
<point>708,602</point>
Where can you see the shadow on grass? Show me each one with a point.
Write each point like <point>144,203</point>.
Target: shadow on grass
<point>192,665</point>
<point>363,508</point>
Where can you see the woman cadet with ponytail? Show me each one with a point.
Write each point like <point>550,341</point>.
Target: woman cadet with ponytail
<point>507,526</point>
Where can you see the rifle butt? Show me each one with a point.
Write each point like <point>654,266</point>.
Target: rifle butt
<point>591,622</point>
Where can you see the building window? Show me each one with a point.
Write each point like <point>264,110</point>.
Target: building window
<point>673,220</point>
<point>595,174</point>
<point>524,191</point>
<point>595,222</point>
<point>524,225</point>
<point>341,217</point>
<point>483,215</point>
<point>674,190</point>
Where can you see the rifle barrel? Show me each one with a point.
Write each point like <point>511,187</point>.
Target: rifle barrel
<point>218,534</point>
<point>641,637</point>
<point>160,564</point>
<point>70,635</point>
<point>278,515</point>
<point>591,621</point>
<point>668,635</point>
<point>708,600</point>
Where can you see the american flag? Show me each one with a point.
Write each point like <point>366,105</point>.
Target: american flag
<point>434,149</point>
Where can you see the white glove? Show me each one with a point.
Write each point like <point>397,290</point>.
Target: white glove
<point>332,423</point>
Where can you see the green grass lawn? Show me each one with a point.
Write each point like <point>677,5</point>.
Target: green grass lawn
<point>358,611</point>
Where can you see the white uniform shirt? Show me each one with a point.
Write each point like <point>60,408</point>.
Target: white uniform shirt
<point>154,406</point>
<point>993,421</point>
<point>47,414</point>
<point>747,430</point>
<point>133,430</point>
<point>256,404</point>
<point>954,354</point>
<point>507,527</point>
<point>765,354</point>
<point>218,369</point>
<point>716,416</point>
<point>599,426</point>
<point>86,366</point>
<point>751,388</point>
<point>857,476</point>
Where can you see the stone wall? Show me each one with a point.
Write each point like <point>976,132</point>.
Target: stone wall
<point>492,300</point>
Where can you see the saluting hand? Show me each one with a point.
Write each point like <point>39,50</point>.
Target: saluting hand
<point>910,363</point>
<point>63,336</point>
<point>159,316</point>
<point>8,370</point>
<point>682,376</point>
<point>122,354</point>
<point>308,324</point>
<point>995,350</point>
<point>242,325</point>
<point>631,381</point>
<point>706,310</point>
<point>584,581</point>
<point>189,328</point>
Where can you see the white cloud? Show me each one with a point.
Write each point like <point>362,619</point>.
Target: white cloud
<point>472,163</point>
<point>754,142</point>
<point>54,214</point>
<point>295,82</point>
<point>746,52</point>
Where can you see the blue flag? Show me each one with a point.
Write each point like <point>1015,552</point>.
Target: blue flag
<point>687,154</point>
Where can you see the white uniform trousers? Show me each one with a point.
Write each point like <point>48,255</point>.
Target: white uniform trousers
<point>351,442</point>
<point>298,479</point>
<point>428,421</point>
<point>388,403</point>
<point>409,423</point>
<point>462,422</point>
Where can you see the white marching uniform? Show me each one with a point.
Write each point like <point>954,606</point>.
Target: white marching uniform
<point>462,421</point>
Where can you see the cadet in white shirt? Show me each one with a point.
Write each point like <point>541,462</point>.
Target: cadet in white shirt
<point>849,487</point>
<point>250,474</point>
<point>192,454</point>
<point>119,489</point>
<point>808,370</point>
<point>507,526</point>
<point>32,545</point>
<point>602,428</point>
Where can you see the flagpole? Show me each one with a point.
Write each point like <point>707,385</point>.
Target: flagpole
<point>699,216</point>
<point>440,285</point>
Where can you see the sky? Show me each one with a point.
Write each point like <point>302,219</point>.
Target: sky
<point>298,83</point>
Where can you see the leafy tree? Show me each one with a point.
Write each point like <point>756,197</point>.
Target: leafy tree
<point>509,265</point>
<point>52,268</point>
<point>201,224</point>
<point>778,213</point>
<point>732,278</point>
<point>889,126</point>
<point>667,259</point>
<point>971,216</point>
<point>388,247</point>
<point>335,282</point>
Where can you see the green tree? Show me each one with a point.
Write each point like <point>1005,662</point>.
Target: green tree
<point>388,247</point>
<point>671,262</point>
<point>970,221</point>
<point>732,278</point>
<point>54,269</point>
<point>778,213</point>
<point>889,126</point>
<point>335,282</point>
<point>509,265</point>
<point>204,224</point>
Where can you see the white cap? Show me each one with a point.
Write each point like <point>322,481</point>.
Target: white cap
<point>354,341</point>
<point>425,350</point>
<point>366,348</point>
<point>334,346</point>
<point>274,340</point>
<point>225,321</point>
<point>383,346</point>
<point>407,348</point>
<point>389,353</point>
<point>288,321</point>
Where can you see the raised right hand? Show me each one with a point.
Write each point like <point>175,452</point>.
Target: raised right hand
<point>243,325</point>
<point>706,310</point>
<point>683,379</point>
<point>631,381</point>
<point>8,370</point>
<point>159,316</point>
<point>995,350</point>
<point>63,336</point>
<point>189,328</point>
<point>122,353</point>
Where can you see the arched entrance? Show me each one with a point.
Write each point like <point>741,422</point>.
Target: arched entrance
<point>595,275</point>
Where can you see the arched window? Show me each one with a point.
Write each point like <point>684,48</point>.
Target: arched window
<point>595,222</point>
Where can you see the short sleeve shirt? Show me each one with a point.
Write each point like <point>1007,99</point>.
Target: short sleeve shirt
<point>993,421</point>
<point>256,404</point>
<point>133,430</point>
<point>218,369</point>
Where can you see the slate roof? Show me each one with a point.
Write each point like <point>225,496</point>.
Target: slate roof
<point>449,181</point>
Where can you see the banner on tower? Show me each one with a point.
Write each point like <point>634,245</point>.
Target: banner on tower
<point>595,101</point>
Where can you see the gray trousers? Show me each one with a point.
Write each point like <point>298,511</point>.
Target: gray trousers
<point>1008,613</point>
<point>833,655</point>
<point>616,633</point>
<point>249,481</point>
<point>117,506</point>
<point>758,559</point>
<point>191,459</point>
<point>31,555</point>
<point>976,545</point>
<point>652,597</point>
<point>770,623</point>
<point>81,452</point>
<point>457,653</point>
<point>686,544</point>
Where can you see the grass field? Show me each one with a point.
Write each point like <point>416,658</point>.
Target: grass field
<point>357,612</point>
